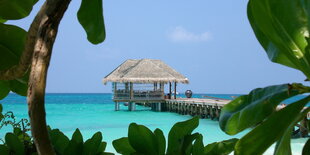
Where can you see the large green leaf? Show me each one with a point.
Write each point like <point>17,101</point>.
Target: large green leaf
<point>4,150</point>
<point>179,134</point>
<point>101,147</point>
<point>91,145</point>
<point>122,146</point>
<point>1,115</point>
<point>283,146</point>
<point>248,110</point>
<point>306,149</point>
<point>75,145</point>
<point>258,140</point>
<point>59,140</point>
<point>221,148</point>
<point>90,16</point>
<point>15,9</point>
<point>2,20</point>
<point>281,28</point>
<point>18,87</point>
<point>161,141</point>
<point>187,145</point>
<point>198,147</point>
<point>14,144</point>
<point>142,139</point>
<point>4,89</point>
<point>74,148</point>
<point>12,40</point>
<point>77,136</point>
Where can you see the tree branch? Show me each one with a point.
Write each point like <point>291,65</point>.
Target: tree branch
<point>39,45</point>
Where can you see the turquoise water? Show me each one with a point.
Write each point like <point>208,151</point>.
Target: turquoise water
<point>95,112</point>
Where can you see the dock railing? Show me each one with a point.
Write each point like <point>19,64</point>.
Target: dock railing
<point>138,95</point>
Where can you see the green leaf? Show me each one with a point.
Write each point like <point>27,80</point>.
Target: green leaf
<point>74,148</point>
<point>306,149</point>
<point>283,146</point>
<point>161,141</point>
<point>2,20</point>
<point>77,136</point>
<point>59,140</point>
<point>4,150</point>
<point>187,145</point>
<point>257,141</point>
<point>75,145</point>
<point>178,133</point>
<point>90,16</point>
<point>12,40</point>
<point>4,89</point>
<point>221,148</point>
<point>91,145</point>
<point>198,147</point>
<point>106,153</point>
<point>122,146</point>
<point>18,87</point>
<point>281,28</point>
<point>15,9</point>
<point>248,110</point>
<point>22,136</point>
<point>142,139</point>
<point>101,147</point>
<point>14,144</point>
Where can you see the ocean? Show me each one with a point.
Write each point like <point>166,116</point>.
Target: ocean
<point>95,112</point>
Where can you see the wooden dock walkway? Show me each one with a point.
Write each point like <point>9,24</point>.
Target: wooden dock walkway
<point>202,107</point>
<point>211,108</point>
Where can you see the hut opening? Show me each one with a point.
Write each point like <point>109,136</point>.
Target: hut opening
<point>142,81</point>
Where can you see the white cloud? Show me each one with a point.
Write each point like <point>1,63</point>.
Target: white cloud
<point>180,34</point>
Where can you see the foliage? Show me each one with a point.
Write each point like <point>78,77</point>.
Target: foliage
<point>181,140</point>
<point>282,28</point>
<point>90,17</point>
<point>19,142</point>
<point>14,9</point>
<point>248,110</point>
<point>13,38</point>
<point>13,41</point>
<point>63,145</point>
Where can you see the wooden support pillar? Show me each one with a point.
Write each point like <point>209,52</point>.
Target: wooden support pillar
<point>131,90</point>
<point>158,107</point>
<point>175,90</point>
<point>211,113</point>
<point>115,89</point>
<point>170,92</point>
<point>116,106</point>
<point>129,106</point>
<point>132,106</point>
<point>161,86</point>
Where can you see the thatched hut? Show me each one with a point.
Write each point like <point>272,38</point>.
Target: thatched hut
<point>142,81</point>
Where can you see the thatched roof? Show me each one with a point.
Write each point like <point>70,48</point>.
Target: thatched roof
<point>144,71</point>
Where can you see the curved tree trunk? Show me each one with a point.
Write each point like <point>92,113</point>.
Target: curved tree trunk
<point>41,37</point>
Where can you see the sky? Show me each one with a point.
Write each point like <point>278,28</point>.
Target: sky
<point>210,42</point>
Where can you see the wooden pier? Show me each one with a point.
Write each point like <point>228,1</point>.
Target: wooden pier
<point>211,108</point>
<point>204,108</point>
